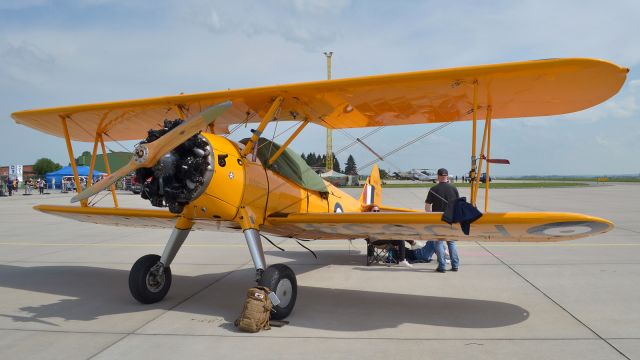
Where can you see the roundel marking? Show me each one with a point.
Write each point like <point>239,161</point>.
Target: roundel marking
<point>337,208</point>
<point>568,228</point>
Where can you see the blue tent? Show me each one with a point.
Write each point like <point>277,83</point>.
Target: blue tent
<point>68,171</point>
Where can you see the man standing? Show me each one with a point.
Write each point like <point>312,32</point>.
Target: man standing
<point>437,200</point>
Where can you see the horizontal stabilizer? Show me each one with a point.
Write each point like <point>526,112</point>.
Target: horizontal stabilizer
<point>499,161</point>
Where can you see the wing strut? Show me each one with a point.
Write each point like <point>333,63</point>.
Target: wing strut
<point>99,139</point>
<point>472,173</point>
<point>476,180</point>
<point>289,140</point>
<point>256,133</point>
<point>72,159</point>
<point>108,168</point>
<point>487,179</point>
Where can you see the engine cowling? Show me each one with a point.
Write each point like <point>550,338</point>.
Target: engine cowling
<point>181,175</point>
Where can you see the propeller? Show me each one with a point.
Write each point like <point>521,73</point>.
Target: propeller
<point>146,155</point>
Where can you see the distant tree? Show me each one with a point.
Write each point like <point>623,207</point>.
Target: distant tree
<point>336,164</point>
<point>350,167</point>
<point>310,158</point>
<point>314,160</point>
<point>45,165</point>
<point>384,174</point>
<point>84,159</point>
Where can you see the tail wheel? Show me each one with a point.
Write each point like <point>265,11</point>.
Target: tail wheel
<point>149,280</point>
<point>282,281</point>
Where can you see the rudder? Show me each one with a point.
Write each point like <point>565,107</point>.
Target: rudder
<point>372,190</point>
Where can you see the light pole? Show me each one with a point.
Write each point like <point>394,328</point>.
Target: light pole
<point>329,156</point>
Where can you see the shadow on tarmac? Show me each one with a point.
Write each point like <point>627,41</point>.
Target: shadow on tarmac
<point>95,292</point>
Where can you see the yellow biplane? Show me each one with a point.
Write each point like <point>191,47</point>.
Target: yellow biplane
<point>209,182</point>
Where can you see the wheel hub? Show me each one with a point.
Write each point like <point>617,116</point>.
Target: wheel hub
<point>284,291</point>
<point>155,279</point>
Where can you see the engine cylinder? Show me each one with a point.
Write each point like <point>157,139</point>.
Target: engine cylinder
<point>181,175</point>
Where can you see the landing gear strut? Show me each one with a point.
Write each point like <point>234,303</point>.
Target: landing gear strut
<point>279,278</point>
<point>150,276</point>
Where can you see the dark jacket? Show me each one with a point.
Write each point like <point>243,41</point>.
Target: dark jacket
<point>461,212</point>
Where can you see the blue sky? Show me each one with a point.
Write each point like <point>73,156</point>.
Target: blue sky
<point>69,52</point>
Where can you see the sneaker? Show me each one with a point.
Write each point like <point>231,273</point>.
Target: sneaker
<point>405,263</point>
<point>454,269</point>
<point>441,270</point>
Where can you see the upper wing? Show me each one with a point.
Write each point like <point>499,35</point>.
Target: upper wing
<point>511,226</point>
<point>519,89</point>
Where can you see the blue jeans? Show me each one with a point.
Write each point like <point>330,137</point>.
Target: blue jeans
<point>426,252</point>
<point>453,254</point>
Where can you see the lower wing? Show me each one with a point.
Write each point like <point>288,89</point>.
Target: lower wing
<point>510,226</point>
<point>127,217</point>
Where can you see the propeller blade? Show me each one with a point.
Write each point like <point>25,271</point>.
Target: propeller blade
<point>147,155</point>
<point>106,182</point>
<point>180,134</point>
<point>499,161</point>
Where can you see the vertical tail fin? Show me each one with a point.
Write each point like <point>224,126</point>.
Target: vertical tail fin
<point>372,190</point>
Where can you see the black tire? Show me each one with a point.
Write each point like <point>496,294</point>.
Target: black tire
<point>145,289</point>
<point>281,275</point>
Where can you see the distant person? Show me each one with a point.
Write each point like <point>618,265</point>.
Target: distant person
<point>437,200</point>
<point>10,187</point>
<point>53,183</point>
<point>40,186</point>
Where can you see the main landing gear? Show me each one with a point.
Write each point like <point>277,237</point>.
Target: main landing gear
<point>150,276</point>
<point>279,278</point>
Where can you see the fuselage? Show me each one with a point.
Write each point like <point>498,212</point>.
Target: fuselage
<point>245,183</point>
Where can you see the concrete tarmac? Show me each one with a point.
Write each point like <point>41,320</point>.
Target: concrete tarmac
<point>64,292</point>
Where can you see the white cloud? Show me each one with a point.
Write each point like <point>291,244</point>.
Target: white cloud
<point>202,45</point>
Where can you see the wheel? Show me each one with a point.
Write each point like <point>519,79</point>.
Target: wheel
<point>281,280</point>
<point>147,283</point>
